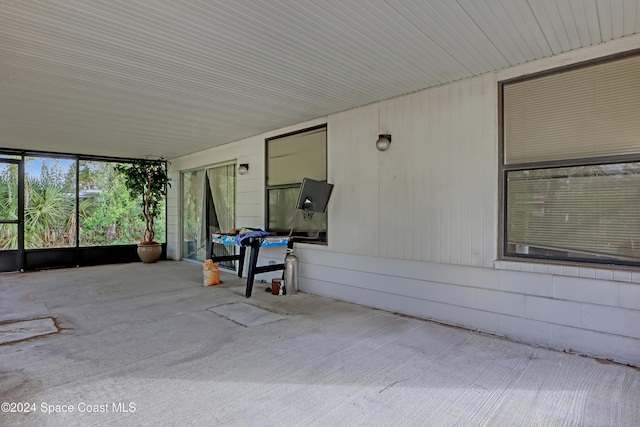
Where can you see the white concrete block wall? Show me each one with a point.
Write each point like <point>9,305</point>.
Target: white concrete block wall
<point>591,291</point>
<point>540,308</point>
<point>414,230</point>
<point>629,295</point>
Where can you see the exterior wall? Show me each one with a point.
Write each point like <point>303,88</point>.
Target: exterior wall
<point>433,195</point>
<point>250,195</point>
<point>595,317</point>
<point>414,230</point>
<point>249,187</point>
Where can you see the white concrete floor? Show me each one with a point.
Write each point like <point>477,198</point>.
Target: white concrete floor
<point>139,346</point>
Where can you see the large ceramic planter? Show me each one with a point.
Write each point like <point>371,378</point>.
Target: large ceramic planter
<point>149,252</point>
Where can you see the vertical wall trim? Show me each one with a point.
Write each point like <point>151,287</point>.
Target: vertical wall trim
<point>21,193</point>
<point>502,184</point>
<point>78,211</point>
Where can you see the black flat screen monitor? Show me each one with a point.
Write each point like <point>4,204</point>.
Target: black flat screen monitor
<point>314,195</point>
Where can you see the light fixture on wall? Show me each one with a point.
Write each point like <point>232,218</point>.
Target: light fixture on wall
<point>383,142</point>
<point>243,169</point>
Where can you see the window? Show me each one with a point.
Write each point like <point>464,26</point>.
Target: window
<point>571,164</point>
<point>290,158</point>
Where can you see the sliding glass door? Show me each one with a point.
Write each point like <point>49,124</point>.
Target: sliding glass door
<point>208,206</point>
<point>222,207</point>
<point>194,226</point>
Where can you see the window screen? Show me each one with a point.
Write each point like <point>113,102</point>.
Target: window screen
<point>587,112</point>
<point>571,172</point>
<point>291,158</point>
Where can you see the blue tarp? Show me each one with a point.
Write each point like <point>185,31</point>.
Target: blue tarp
<point>243,239</point>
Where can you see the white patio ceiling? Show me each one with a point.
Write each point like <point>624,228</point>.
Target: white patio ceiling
<point>163,78</point>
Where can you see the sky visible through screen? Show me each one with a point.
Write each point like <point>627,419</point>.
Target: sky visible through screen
<point>33,165</point>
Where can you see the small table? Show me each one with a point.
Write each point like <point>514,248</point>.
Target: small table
<point>255,243</point>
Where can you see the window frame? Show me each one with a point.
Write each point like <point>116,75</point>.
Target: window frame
<point>322,239</point>
<point>504,169</point>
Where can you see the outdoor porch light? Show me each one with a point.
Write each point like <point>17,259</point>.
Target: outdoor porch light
<point>243,168</point>
<point>383,142</point>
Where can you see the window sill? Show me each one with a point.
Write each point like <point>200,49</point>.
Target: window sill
<point>615,273</point>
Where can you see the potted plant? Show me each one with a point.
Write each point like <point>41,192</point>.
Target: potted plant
<point>147,179</point>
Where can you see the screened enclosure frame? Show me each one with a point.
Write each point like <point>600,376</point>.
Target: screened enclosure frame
<point>594,162</point>
<point>75,254</point>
